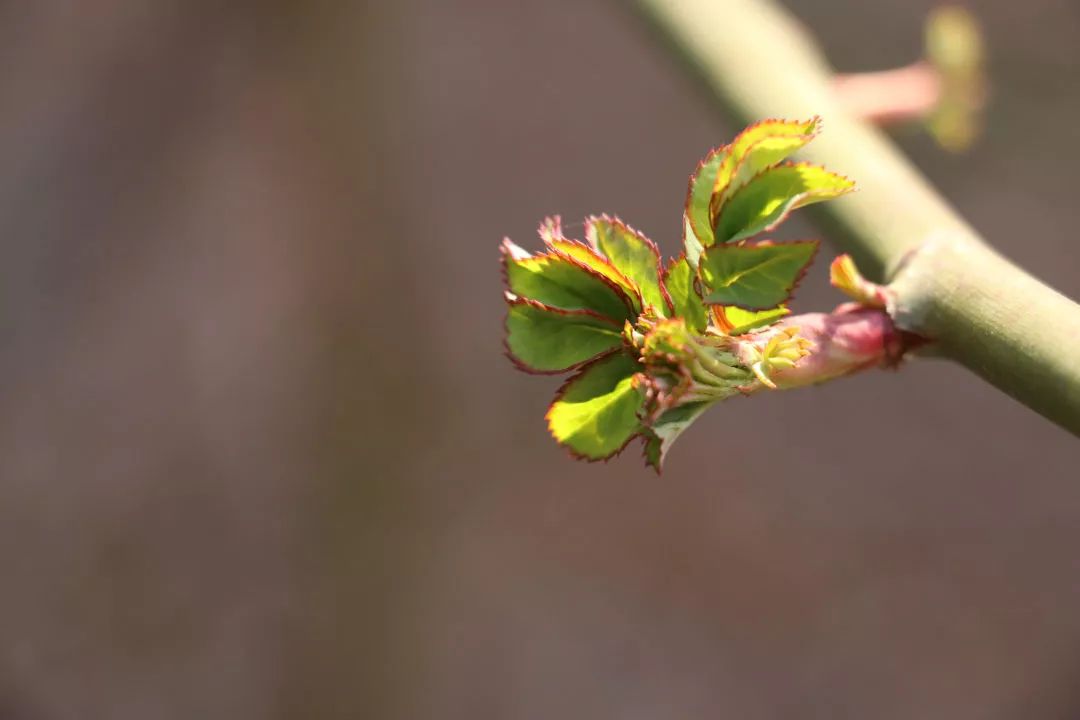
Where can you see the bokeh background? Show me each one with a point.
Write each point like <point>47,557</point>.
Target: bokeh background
<point>262,457</point>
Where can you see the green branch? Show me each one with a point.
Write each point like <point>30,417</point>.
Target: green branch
<point>983,311</point>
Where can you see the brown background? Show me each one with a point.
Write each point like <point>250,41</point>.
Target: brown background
<point>261,455</point>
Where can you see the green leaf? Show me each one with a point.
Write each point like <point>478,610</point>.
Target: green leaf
<point>594,261</point>
<point>632,254</point>
<point>562,282</point>
<point>679,281</point>
<point>741,321</point>
<point>754,277</point>
<point>542,339</point>
<point>551,233</point>
<point>766,200</point>
<point>666,429</point>
<point>692,247</point>
<point>595,414</point>
<point>697,223</point>
<point>756,148</point>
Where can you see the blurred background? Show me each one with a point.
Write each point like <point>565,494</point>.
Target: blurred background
<point>262,457</point>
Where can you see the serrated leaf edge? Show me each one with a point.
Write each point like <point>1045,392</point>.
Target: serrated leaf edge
<point>646,438</point>
<point>688,218</point>
<point>727,191</point>
<point>814,120</point>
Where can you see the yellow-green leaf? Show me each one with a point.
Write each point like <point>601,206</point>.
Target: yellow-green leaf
<point>756,148</point>
<point>736,321</point>
<point>562,282</point>
<point>632,254</point>
<point>595,261</point>
<point>679,281</point>
<point>697,223</point>
<point>766,200</point>
<point>595,414</point>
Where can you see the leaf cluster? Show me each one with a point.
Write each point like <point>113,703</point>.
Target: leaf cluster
<point>645,340</point>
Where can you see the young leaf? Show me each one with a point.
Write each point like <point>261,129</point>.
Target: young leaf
<point>551,234</point>
<point>632,254</point>
<point>595,414</point>
<point>668,339</point>
<point>697,223</point>
<point>692,247</point>
<point>679,281</point>
<point>754,277</point>
<point>562,282</point>
<point>756,148</point>
<point>544,340</point>
<point>766,200</point>
<point>845,277</point>
<point>594,261</point>
<point>667,428</point>
<point>736,321</point>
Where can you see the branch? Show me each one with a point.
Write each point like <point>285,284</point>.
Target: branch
<point>982,311</point>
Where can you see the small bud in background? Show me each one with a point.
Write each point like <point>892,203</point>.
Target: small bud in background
<point>845,277</point>
<point>945,91</point>
<point>954,45</point>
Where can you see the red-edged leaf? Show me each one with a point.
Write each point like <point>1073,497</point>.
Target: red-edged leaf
<point>766,200</point>
<point>756,148</point>
<point>595,414</point>
<point>632,254</point>
<point>679,283</point>
<point>560,281</point>
<point>754,277</point>
<point>588,256</point>
<point>551,233</point>
<point>697,223</point>
<point>546,340</point>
